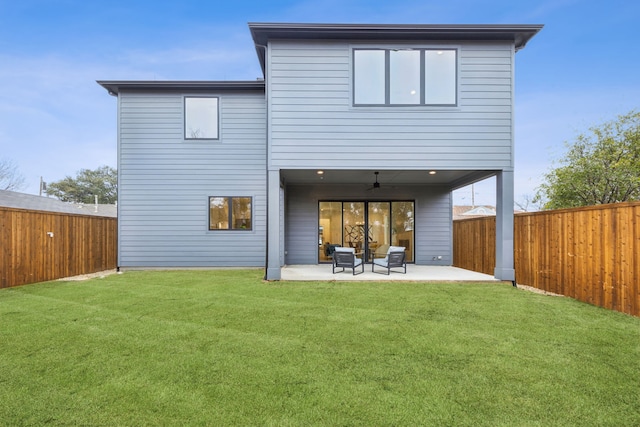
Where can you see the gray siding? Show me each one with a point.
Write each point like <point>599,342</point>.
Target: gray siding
<point>312,117</point>
<point>433,219</point>
<point>165,182</point>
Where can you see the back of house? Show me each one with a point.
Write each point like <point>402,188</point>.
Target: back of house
<point>356,136</point>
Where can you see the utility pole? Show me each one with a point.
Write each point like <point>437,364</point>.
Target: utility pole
<point>43,186</point>
<point>473,197</point>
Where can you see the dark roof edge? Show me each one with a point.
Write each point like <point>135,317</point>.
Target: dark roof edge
<point>115,86</point>
<point>263,31</point>
<point>419,27</point>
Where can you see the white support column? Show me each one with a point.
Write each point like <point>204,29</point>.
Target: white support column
<point>273,226</point>
<point>504,227</point>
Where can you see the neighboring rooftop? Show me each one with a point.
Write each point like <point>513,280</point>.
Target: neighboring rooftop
<point>12,199</point>
<point>464,212</point>
<point>476,211</point>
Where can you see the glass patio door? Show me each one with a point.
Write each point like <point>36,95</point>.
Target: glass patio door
<point>402,226</point>
<point>368,227</point>
<point>353,225</point>
<point>379,217</point>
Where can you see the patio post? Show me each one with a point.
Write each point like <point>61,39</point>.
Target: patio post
<point>273,225</point>
<point>504,269</point>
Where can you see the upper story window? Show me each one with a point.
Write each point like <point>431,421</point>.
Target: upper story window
<point>405,77</point>
<point>200,117</point>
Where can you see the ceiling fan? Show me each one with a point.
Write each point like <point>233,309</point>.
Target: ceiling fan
<point>376,185</point>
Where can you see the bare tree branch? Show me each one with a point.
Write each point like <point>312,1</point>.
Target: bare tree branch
<point>10,178</point>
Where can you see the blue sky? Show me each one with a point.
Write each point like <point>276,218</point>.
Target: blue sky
<point>582,69</point>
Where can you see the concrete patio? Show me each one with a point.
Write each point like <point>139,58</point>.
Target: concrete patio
<point>417,273</point>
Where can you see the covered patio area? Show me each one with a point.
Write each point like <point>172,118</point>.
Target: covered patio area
<point>416,273</point>
<point>310,210</point>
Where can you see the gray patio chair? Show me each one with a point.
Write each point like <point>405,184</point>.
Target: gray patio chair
<point>346,258</point>
<point>395,258</point>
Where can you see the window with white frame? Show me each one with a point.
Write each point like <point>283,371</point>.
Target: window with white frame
<point>383,77</point>
<point>201,117</point>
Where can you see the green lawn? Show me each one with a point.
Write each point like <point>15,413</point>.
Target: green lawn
<point>218,348</point>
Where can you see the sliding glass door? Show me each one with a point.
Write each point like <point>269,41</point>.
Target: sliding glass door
<point>368,227</point>
<point>379,215</point>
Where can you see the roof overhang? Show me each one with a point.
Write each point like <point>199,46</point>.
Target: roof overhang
<point>262,33</point>
<point>115,86</point>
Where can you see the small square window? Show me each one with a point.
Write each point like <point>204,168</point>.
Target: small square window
<point>230,213</point>
<point>200,118</point>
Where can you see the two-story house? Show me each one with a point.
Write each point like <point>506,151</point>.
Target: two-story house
<point>357,136</point>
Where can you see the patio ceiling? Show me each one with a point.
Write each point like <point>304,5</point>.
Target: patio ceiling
<point>452,178</point>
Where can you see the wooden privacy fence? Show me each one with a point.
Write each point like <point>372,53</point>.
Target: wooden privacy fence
<point>591,254</point>
<point>36,246</point>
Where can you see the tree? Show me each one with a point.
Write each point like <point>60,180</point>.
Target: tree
<point>101,182</point>
<point>601,166</point>
<point>10,177</point>
<point>528,203</point>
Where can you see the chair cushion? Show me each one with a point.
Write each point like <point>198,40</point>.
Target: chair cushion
<point>382,262</point>
<point>391,249</point>
<point>343,249</point>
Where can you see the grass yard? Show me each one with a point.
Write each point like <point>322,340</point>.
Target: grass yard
<point>219,348</point>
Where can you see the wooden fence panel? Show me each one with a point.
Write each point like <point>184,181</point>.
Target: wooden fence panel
<point>474,245</point>
<point>591,254</point>
<point>39,246</point>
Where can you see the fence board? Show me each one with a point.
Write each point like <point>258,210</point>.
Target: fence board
<point>591,254</point>
<point>80,244</point>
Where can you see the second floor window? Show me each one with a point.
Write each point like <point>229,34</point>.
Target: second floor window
<point>404,77</point>
<point>200,117</point>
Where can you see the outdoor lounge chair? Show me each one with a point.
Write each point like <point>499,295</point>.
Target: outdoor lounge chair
<point>346,258</point>
<point>395,258</point>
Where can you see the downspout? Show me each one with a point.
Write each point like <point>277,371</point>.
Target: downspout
<point>116,94</point>
<point>513,142</point>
